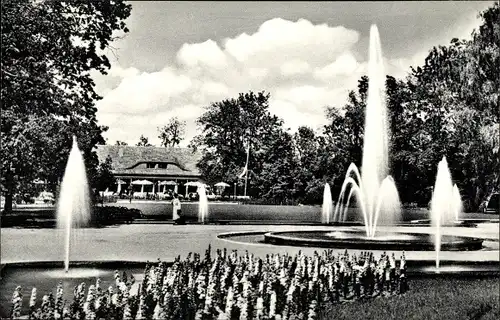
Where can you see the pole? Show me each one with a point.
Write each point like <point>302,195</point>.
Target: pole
<point>235,191</point>
<point>246,174</point>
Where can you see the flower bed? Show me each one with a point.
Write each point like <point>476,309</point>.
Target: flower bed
<point>229,286</point>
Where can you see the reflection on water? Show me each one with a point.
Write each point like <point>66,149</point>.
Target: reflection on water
<point>77,273</point>
<point>46,280</point>
<point>456,268</point>
<point>378,237</point>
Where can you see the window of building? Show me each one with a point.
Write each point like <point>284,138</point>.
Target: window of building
<point>151,165</point>
<point>162,165</point>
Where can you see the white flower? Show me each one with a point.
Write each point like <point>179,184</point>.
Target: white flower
<point>276,262</point>
<point>282,276</point>
<point>140,308</point>
<point>229,301</point>
<point>272,304</point>
<point>222,316</point>
<point>260,307</point>
<point>33,298</point>
<point>17,301</point>
<point>261,287</point>
<point>243,304</point>
<point>158,313</point>
<point>199,315</point>
<point>291,290</point>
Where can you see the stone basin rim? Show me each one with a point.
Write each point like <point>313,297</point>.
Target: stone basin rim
<point>457,243</point>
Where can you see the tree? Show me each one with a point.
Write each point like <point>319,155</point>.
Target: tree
<point>49,49</point>
<point>120,143</point>
<point>173,133</point>
<point>143,142</point>
<point>228,127</point>
<point>479,77</point>
<point>354,117</point>
<point>454,96</point>
<point>306,145</point>
<point>277,172</point>
<point>341,142</point>
<point>405,124</point>
<point>103,177</point>
<point>307,148</point>
<point>221,141</point>
<point>480,90</point>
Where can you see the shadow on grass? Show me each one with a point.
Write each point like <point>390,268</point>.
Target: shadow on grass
<point>45,218</point>
<point>479,312</point>
<point>30,223</point>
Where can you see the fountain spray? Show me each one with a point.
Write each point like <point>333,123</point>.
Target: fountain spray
<point>375,191</point>
<point>73,209</point>
<point>446,204</point>
<point>327,208</point>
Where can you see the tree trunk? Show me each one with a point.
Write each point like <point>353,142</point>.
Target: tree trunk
<point>9,195</point>
<point>8,203</point>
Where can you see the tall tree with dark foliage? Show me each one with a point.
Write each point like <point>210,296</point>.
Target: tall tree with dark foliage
<point>49,49</point>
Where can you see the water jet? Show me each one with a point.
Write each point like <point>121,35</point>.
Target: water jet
<point>445,204</point>
<point>326,210</point>
<point>73,209</point>
<point>374,189</point>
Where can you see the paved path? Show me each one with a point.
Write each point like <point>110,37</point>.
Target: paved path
<point>152,241</point>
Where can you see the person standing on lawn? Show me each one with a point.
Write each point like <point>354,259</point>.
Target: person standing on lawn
<point>176,209</point>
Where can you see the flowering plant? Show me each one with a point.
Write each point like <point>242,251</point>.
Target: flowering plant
<point>227,286</point>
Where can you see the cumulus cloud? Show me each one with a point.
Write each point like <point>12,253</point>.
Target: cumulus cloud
<point>294,67</point>
<point>304,66</point>
<point>345,64</point>
<point>278,41</point>
<point>146,92</point>
<point>206,54</point>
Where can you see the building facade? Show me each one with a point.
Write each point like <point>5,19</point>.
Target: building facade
<point>145,171</point>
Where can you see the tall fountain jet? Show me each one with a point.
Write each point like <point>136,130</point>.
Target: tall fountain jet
<point>203,204</point>
<point>446,204</point>
<point>327,209</point>
<point>375,191</point>
<point>73,209</point>
<point>457,202</point>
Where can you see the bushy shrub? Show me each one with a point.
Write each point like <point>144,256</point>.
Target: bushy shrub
<point>104,215</point>
<point>270,201</point>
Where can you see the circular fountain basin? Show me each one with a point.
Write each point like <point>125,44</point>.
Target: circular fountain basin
<point>381,241</point>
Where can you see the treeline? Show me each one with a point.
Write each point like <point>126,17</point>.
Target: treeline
<point>447,107</point>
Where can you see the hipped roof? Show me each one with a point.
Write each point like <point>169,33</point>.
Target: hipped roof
<point>125,158</point>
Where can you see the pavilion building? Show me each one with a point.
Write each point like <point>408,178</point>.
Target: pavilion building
<point>147,170</point>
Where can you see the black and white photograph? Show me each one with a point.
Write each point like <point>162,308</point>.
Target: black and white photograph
<point>267,160</point>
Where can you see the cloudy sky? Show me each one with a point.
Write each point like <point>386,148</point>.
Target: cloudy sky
<point>180,56</point>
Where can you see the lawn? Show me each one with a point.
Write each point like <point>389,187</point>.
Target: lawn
<point>224,211</point>
<point>272,213</point>
<point>440,299</point>
<point>162,210</point>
